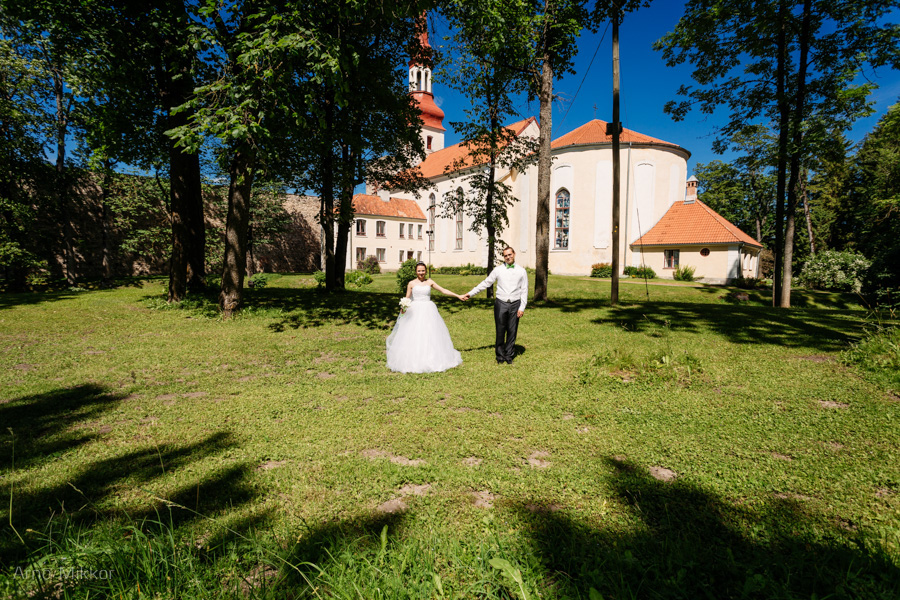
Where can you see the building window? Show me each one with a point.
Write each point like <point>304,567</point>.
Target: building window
<point>562,220</point>
<point>459,218</point>
<point>401,257</point>
<point>379,254</point>
<point>410,230</point>
<point>431,223</point>
<point>428,142</point>
<point>360,227</point>
<point>409,255</point>
<point>704,252</point>
<point>670,259</point>
<point>402,227</point>
<point>419,231</point>
<point>379,228</point>
<point>360,255</point>
<point>419,256</point>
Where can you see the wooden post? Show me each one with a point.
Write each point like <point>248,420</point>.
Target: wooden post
<point>615,127</point>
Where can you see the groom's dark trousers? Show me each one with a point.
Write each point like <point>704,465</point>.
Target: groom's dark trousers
<point>507,323</point>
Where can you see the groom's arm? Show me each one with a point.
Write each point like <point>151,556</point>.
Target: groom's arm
<point>523,297</point>
<point>488,282</point>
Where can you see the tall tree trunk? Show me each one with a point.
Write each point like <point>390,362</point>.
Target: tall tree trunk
<point>489,200</point>
<point>62,180</point>
<point>186,205</point>
<point>542,234</point>
<point>796,155</point>
<point>105,252</point>
<point>345,216</point>
<point>809,228</point>
<point>783,123</point>
<point>326,215</point>
<point>195,224</point>
<point>236,226</point>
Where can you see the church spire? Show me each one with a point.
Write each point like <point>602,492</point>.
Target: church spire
<point>420,87</point>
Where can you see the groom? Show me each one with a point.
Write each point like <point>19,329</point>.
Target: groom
<point>509,303</point>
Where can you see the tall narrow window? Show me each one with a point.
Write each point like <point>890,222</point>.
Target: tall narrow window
<point>360,227</point>
<point>379,254</point>
<point>379,228</point>
<point>459,219</point>
<point>402,226</point>
<point>360,255</point>
<point>401,256</point>
<point>419,231</point>
<point>562,219</point>
<point>428,142</point>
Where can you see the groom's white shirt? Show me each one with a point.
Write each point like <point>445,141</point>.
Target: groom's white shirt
<point>512,284</point>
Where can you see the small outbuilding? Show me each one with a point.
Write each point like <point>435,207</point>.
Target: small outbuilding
<point>690,233</point>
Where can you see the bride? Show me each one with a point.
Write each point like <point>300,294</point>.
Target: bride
<point>420,342</point>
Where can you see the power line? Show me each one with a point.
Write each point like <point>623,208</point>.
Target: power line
<point>585,75</point>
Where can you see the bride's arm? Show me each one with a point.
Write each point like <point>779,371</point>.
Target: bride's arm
<point>409,287</point>
<point>443,291</point>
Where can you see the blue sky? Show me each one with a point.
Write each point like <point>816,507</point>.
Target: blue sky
<point>646,85</point>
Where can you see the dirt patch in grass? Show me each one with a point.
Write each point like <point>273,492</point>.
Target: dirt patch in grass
<point>536,460</point>
<point>326,357</point>
<point>324,375</point>
<point>833,404</point>
<point>568,417</point>
<point>816,358</point>
<point>394,505</point>
<point>543,508</point>
<point>415,490</point>
<point>472,461</point>
<point>246,378</point>
<point>834,445</point>
<point>271,464</point>
<point>483,499</point>
<point>24,367</point>
<point>374,454</point>
<point>663,474</point>
<point>780,456</point>
<point>791,496</point>
<point>194,395</point>
<point>165,397</point>
<point>582,429</point>
<point>883,493</point>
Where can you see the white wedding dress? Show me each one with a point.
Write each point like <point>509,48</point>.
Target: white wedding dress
<point>420,342</point>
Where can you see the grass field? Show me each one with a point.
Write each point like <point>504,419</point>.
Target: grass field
<point>679,445</point>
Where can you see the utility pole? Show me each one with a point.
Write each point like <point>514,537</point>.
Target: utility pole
<point>615,128</point>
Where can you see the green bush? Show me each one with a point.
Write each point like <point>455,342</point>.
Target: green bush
<point>601,270</point>
<point>259,280</point>
<point>369,265</point>
<point>836,271</point>
<point>319,276</point>
<point>357,278</point>
<point>468,269</point>
<point>406,273</point>
<point>684,273</point>
<point>878,353</point>
<point>644,272</point>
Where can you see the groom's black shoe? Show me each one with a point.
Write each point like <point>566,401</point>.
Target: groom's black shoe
<point>509,362</point>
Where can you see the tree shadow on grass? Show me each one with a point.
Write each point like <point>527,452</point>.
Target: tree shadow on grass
<point>47,426</point>
<point>692,544</point>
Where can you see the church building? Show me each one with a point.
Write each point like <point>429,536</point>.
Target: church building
<point>653,173</point>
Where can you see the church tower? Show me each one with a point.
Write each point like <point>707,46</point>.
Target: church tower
<point>420,88</point>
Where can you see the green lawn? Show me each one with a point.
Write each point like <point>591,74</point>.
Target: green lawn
<point>679,445</point>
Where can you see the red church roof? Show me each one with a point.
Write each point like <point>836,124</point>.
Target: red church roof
<point>432,115</point>
<point>693,223</point>
<point>367,204</point>
<point>438,162</point>
<point>594,132</point>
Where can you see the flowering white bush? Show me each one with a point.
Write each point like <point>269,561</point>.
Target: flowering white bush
<point>833,270</point>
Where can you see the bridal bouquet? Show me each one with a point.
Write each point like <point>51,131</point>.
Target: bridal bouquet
<point>404,304</point>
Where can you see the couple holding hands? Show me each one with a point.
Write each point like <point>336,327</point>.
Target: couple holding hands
<point>420,341</point>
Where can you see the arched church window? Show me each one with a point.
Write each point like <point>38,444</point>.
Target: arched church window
<point>562,219</point>
<point>419,80</point>
<point>459,219</point>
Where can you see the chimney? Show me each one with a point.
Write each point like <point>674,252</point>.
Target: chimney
<point>690,193</point>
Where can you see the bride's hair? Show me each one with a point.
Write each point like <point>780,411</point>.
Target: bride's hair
<point>423,264</point>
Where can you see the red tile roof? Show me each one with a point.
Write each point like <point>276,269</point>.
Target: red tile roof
<point>438,162</point>
<point>694,223</point>
<point>594,132</point>
<point>366,204</point>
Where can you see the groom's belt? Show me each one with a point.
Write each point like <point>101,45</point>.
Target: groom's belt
<point>509,301</point>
